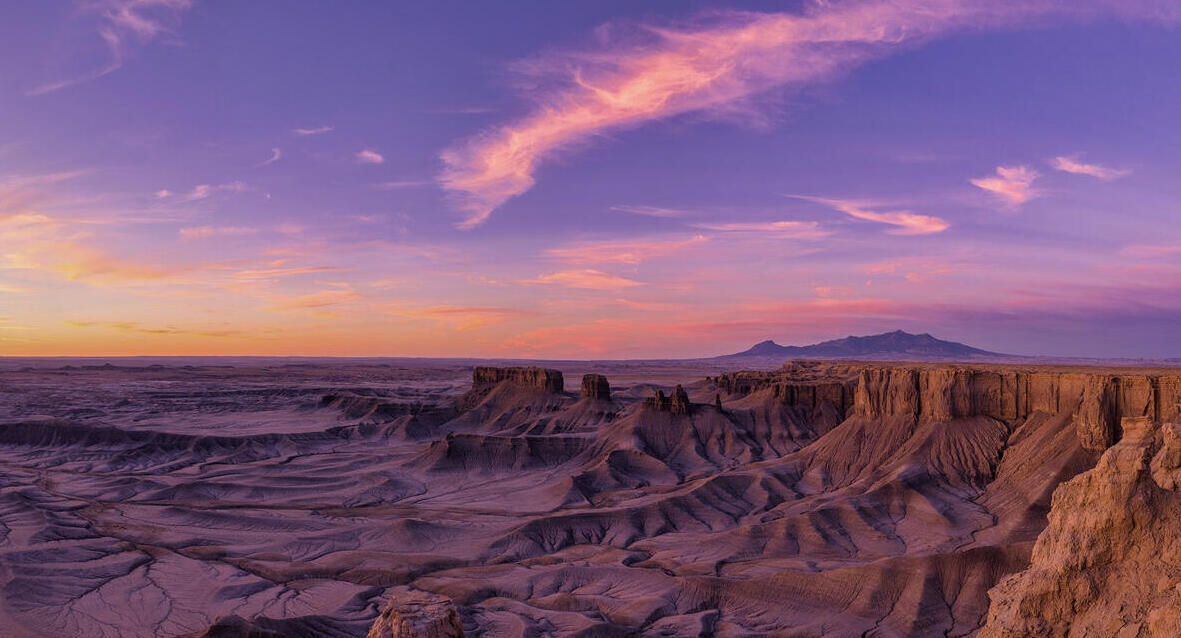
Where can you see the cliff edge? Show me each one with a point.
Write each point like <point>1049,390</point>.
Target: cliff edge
<point>1109,561</point>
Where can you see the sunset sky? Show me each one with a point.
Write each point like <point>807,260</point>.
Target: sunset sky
<point>608,179</point>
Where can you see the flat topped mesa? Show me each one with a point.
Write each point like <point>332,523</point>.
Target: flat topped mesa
<point>530,377</point>
<point>677,403</point>
<point>595,386</point>
<point>417,616</point>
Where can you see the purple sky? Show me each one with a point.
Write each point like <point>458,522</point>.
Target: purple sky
<point>590,180</point>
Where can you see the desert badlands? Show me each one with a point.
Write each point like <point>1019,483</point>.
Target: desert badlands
<point>399,498</point>
<point>491,319</point>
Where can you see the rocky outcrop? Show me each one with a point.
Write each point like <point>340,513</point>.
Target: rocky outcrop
<point>513,385</point>
<point>798,384</point>
<point>1097,401</point>
<point>1109,562</point>
<point>545,379</point>
<point>676,403</point>
<point>595,386</point>
<point>416,615</point>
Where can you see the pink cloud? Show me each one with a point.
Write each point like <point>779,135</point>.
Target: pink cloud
<point>318,130</point>
<point>651,211</point>
<point>1152,251</point>
<point>1071,164</point>
<point>621,252</point>
<point>587,279</point>
<point>1013,184</point>
<point>122,23</point>
<point>203,232</point>
<point>784,229</point>
<point>316,300</point>
<point>284,272</point>
<point>905,222</point>
<point>468,317</point>
<point>717,66</point>
<point>370,156</point>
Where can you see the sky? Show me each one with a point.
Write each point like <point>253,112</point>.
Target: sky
<point>609,179</point>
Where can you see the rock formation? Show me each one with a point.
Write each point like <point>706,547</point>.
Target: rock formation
<point>595,386</point>
<point>1109,562</point>
<point>677,403</point>
<point>798,384</point>
<point>530,377</point>
<point>517,381</point>
<point>415,615</point>
<point>826,499</point>
<point>938,393</point>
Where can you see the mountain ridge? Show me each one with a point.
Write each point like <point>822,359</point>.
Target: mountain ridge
<point>897,344</point>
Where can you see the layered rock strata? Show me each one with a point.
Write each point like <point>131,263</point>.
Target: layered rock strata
<point>1097,401</point>
<point>595,386</point>
<point>1109,562</point>
<point>545,379</point>
<point>417,616</point>
<point>676,403</point>
<point>796,385</point>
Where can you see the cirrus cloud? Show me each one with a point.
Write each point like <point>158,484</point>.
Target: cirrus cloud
<point>1072,164</point>
<point>122,23</point>
<point>718,66</point>
<point>622,252</point>
<point>370,156</point>
<point>587,279</point>
<point>905,222</point>
<point>1012,184</point>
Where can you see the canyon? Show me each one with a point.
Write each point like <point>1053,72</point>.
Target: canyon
<point>397,498</point>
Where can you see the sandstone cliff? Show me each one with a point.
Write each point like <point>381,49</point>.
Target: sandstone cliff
<point>1109,562</point>
<point>417,615</point>
<point>676,403</point>
<point>512,382</point>
<point>1097,401</point>
<point>595,386</point>
<point>795,386</point>
<point>530,377</point>
<point>821,499</point>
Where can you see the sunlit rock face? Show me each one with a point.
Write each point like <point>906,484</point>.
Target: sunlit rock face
<point>1108,562</point>
<point>416,615</point>
<point>276,499</point>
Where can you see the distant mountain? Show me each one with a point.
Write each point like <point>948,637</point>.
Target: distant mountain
<point>888,345</point>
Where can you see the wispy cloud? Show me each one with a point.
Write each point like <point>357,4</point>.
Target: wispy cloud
<point>204,191</point>
<point>586,279</point>
<point>121,24</point>
<point>1012,184</point>
<point>399,184</point>
<point>651,211</point>
<point>904,221</point>
<point>203,232</point>
<point>276,155</point>
<point>34,241</point>
<point>137,328</point>
<point>1152,251</point>
<point>316,300</point>
<point>369,156</point>
<point>782,229</point>
<point>1072,164</point>
<point>717,66</point>
<point>274,273</point>
<point>319,130</point>
<point>468,317</point>
<point>621,252</point>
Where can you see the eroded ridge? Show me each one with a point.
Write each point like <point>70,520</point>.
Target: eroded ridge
<point>820,499</point>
